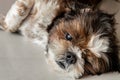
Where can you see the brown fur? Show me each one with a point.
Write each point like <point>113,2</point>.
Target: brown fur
<point>78,29</point>
<point>94,65</point>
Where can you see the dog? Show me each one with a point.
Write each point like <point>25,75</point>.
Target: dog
<point>78,39</point>
<point>83,43</point>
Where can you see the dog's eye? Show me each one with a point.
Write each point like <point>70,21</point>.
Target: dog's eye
<point>68,37</point>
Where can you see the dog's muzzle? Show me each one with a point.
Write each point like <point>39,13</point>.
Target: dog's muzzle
<point>69,58</point>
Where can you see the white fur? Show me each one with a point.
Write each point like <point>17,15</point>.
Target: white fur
<point>56,52</point>
<point>98,45</point>
<point>46,12</point>
<point>32,18</point>
<point>79,65</point>
<point>13,19</point>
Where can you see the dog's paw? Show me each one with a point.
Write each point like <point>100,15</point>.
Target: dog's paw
<point>22,8</point>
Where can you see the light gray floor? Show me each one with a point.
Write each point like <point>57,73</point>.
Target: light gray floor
<point>22,60</point>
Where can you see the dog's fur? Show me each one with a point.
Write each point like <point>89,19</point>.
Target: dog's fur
<point>93,42</point>
<point>48,22</point>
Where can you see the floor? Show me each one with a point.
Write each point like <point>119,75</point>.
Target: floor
<point>23,60</point>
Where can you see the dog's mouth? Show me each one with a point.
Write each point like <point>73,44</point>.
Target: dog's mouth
<point>61,64</point>
<point>65,66</point>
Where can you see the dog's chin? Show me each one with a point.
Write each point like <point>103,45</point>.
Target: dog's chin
<point>74,70</point>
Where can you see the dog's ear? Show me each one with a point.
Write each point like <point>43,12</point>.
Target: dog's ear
<point>74,4</point>
<point>105,22</point>
<point>92,3</point>
<point>107,28</point>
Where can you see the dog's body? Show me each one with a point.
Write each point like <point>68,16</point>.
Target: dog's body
<point>80,41</point>
<point>32,17</point>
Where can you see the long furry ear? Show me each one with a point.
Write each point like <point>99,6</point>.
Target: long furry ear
<point>92,3</point>
<point>73,4</point>
<point>108,23</point>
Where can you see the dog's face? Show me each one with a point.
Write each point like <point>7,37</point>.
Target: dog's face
<point>77,44</point>
<point>67,43</point>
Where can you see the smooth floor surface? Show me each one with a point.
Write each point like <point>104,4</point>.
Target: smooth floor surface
<point>20,59</point>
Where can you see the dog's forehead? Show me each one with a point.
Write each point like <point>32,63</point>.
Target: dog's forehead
<point>75,22</point>
<point>75,27</point>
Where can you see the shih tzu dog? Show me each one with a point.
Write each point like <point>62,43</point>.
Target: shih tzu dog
<point>78,38</point>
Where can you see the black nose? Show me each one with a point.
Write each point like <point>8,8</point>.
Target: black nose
<point>70,58</point>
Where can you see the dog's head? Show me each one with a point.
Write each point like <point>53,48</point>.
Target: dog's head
<point>79,43</point>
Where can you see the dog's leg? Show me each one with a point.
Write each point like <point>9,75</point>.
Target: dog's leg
<point>18,12</point>
<point>36,24</point>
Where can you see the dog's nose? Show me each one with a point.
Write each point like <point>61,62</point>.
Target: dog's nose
<point>70,58</point>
